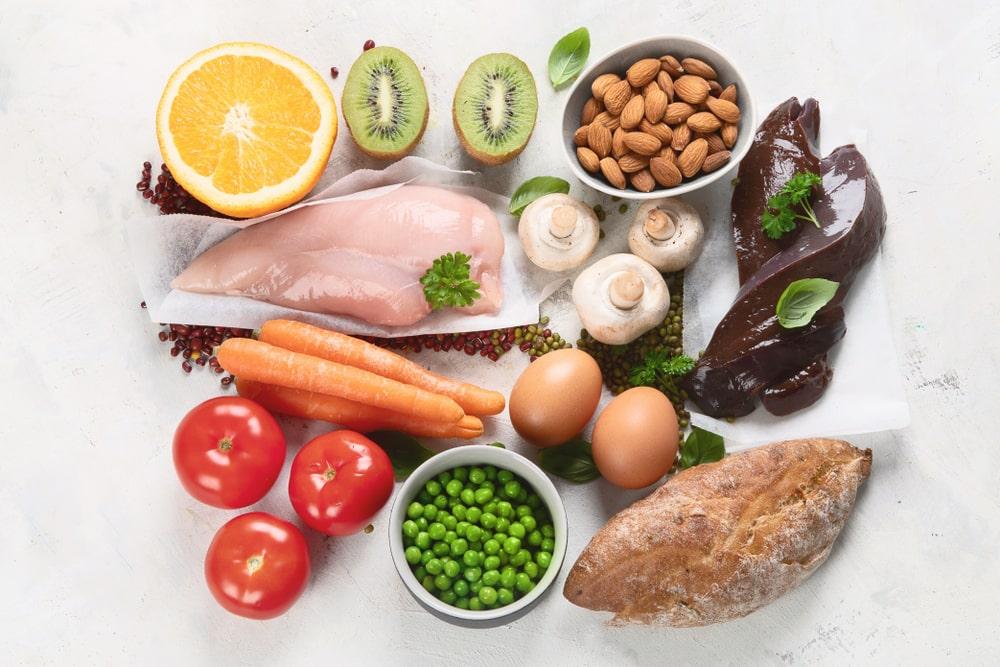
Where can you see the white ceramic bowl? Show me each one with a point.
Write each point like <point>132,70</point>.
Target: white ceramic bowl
<point>469,455</point>
<point>617,62</point>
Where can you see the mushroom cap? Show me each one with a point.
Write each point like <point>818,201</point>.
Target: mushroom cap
<point>667,233</point>
<point>621,279</point>
<point>558,232</point>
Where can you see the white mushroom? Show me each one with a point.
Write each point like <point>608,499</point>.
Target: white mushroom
<point>558,232</point>
<point>667,233</point>
<point>620,297</point>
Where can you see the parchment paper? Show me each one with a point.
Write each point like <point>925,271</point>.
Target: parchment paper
<point>164,245</point>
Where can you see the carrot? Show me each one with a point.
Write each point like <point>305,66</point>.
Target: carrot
<point>357,416</point>
<point>333,346</point>
<point>254,360</point>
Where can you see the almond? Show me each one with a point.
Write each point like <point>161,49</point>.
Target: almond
<point>704,121</point>
<point>698,68</point>
<point>642,72</point>
<point>729,94</point>
<point>715,143</point>
<point>588,159</point>
<point>607,120</point>
<point>715,160</point>
<point>666,84</point>
<point>727,112</point>
<point>682,137</point>
<point>729,132</point>
<point>642,143</point>
<point>601,84</point>
<point>677,112</point>
<point>580,136</point>
<point>656,105</point>
<point>661,131</point>
<point>618,143</point>
<point>591,108</point>
<point>650,87</point>
<point>613,173</point>
<point>631,163</point>
<point>715,87</point>
<point>692,89</point>
<point>633,112</point>
<point>691,158</point>
<point>642,181</point>
<point>599,139</point>
<point>667,153</point>
<point>617,96</point>
<point>665,172</point>
<point>671,66</point>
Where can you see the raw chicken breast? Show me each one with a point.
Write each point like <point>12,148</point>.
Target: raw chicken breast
<point>362,257</point>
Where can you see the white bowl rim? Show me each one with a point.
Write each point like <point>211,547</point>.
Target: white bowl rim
<point>747,113</point>
<point>540,481</point>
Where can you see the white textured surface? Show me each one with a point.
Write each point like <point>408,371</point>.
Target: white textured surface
<point>101,548</point>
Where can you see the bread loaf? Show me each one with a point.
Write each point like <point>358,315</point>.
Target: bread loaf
<point>720,540</point>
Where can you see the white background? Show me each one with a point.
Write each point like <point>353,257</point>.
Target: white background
<point>101,551</point>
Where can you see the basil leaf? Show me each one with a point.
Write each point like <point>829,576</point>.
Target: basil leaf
<point>568,57</point>
<point>532,189</point>
<point>701,446</point>
<point>405,451</point>
<point>573,460</point>
<point>801,299</point>
<point>498,444</point>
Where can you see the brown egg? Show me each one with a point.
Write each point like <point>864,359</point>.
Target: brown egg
<point>635,438</point>
<point>555,397</point>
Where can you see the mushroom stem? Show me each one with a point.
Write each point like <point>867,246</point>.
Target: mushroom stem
<point>626,290</point>
<point>660,225</point>
<point>563,222</point>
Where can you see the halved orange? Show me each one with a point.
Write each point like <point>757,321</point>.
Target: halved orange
<point>246,128</point>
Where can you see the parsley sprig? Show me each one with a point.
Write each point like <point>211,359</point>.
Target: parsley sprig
<point>659,368</point>
<point>781,215</point>
<point>447,282</point>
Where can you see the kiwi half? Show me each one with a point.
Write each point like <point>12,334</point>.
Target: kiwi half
<point>385,103</point>
<point>495,108</point>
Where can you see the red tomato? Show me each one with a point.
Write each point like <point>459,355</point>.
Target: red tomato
<point>339,481</point>
<point>257,565</point>
<point>228,451</point>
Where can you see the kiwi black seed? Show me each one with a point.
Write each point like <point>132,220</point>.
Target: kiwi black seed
<point>495,108</point>
<point>385,103</point>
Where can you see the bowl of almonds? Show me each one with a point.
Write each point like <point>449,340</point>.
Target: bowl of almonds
<point>658,117</point>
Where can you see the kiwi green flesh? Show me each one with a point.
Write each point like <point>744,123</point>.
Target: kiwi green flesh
<point>495,105</point>
<point>385,102</point>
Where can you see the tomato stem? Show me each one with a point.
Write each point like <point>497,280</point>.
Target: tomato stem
<point>329,474</point>
<point>255,562</point>
<point>226,443</point>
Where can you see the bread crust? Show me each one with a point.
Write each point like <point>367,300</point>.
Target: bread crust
<point>720,540</point>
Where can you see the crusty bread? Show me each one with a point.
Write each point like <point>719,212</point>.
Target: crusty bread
<point>721,540</point>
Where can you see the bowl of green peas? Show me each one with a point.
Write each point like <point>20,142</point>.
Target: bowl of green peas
<point>477,534</point>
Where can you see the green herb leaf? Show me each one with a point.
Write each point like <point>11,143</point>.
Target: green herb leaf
<point>780,216</point>
<point>573,460</point>
<point>701,446</point>
<point>658,367</point>
<point>532,189</point>
<point>447,282</point>
<point>678,366</point>
<point>801,299</point>
<point>568,57</point>
<point>498,444</point>
<point>405,451</point>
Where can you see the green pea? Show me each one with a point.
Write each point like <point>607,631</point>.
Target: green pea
<point>430,512</point>
<point>517,530</point>
<point>523,496</point>
<point>472,574</point>
<point>548,544</point>
<point>475,586</point>
<point>452,568</point>
<point>434,566</point>
<point>449,521</point>
<point>490,578</point>
<point>424,497</point>
<point>491,562</point>
<point>459,546</point>
<point>412,555</point>
<point>511,489</point>
<point>488,521</point>
<point>475,604</point>
<point>449,536</point>
<point>512,545</point>
<point>420,573</point>
<point>422,523</point>
<point>436,530</point>
<point>453,501</point>
<point>523,510</point>
<point>444,477</point>
<point>475,546</point>
<point>488,485</point>
<point>548,530</point>
<point>468,497</point>
<point>505,596</point>
<point>488,595</point>
<point>441,502</point>
<point>535,538</point>
<point>490,507</point>
<point>442,582</point>
<point>474,514</point>
<point>448,597</point>
<point>534,501</point>
<point>491,546</point>
<point>531,569</point>
<point>462,528</point>
<point>520,557</point>
<point>441,549</point>
<point>477,475</point>
<point>433,487</point>
<point>462,602</point>
<point>523,582</point>
<point>428,583</point>
<point>475,533</point>
<point>500,537</point>
<point>458,511</point>
<point>461,588</point>
<point>414,510</point>
<point>504,557</point>
<point>508,577</point>
<point>426,556</point>
<point>505,509</point>
<point>503,525</point>
<point>471,558</point>
<point>483,496</point>
<point>453,488</point>
<point>410,528</point>
<point>491,472</point>
<point>544,559</point>
<point>504,476</point>
<point>460,473</point>
<point>423,540</point>
<point>528,522</point>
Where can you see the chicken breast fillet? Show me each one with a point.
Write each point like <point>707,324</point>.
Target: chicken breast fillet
<point>362,258</point>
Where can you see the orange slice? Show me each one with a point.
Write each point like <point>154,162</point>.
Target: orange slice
<point>246,128</point>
